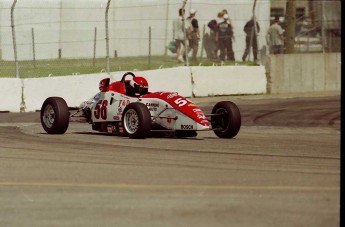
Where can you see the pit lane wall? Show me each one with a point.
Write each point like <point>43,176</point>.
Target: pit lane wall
<point>295,73</point>
<point>187,81</point>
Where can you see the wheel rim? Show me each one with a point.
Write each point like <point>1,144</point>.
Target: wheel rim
<point>48,116</point>
<point>221,121</point>
<point>131,121</point>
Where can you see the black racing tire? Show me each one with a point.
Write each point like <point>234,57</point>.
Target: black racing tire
<point>227,121</point>
<point>55,115</point>
<point>136,121</point>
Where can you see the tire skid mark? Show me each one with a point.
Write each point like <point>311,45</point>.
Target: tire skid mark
<point>258,118</point>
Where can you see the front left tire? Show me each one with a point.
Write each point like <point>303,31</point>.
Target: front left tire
<point>136,120</point>
<point>54,115</point>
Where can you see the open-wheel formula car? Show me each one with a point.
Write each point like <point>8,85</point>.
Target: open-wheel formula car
<point>127,108</point>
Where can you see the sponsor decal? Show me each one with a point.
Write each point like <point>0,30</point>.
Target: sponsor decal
<point>123,103</point>
<point>205,122</point>
<point>152,106</point>
<point>187,127</point>
<point>119,109</point>
<point>116,118</point>
<point>199,113</point>
<point>171,95</point>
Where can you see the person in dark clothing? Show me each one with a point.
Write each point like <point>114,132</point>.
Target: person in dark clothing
<point>229,51</point>
<point>251,39</point>
<point>224,38</point>
<point>192,33</point>
<point>211,44</point>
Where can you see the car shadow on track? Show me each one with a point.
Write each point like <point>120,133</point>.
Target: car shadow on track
<point>156,136</point>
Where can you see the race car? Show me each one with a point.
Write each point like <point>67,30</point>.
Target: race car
<point>127,108</point>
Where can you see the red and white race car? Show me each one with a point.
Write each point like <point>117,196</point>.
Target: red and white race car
<point>126,107</point>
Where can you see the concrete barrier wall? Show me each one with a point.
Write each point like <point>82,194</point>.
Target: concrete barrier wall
<point>71,88</point>
<point>291,73</point>
<point>171,79</point>
<point>76,89</point>
<point>10,94</point>
<point>187,81</point>
<point>226,80</point>
<point>282,74</point>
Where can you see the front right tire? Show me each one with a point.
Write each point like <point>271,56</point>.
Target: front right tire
<point>226,119</point>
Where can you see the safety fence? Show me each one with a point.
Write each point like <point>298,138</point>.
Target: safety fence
<point>60,37</point>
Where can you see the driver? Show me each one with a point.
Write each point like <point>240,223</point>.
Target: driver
<point>137,86</point>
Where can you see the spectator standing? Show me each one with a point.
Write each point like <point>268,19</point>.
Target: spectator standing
<point>193,33</point>
<point>220,18</point>
<point>224,38</point>
<point>229,50</point>
<point>251,39</point>
<point>275,37</point>
<point>267,37</point>
<point>224,11</point>
<point>178,32</point>
<point>210,43</point>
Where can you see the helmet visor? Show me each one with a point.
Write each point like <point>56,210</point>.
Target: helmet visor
<point>140,89</point>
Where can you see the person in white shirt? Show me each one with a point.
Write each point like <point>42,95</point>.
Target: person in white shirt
<point>178,32</point>
<point>275,37</point>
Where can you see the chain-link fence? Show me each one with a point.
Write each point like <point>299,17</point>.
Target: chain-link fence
<point>63,37</point>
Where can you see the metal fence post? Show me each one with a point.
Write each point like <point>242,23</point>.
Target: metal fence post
<point>202,41</point>
<point>166,29</point>
<point>184,28</point>
<point>323,35</point>
<point>253,32</point>
<point>149,58</point>
<point>107,35</point>
<point>60,31</point>
<point>14,39</point>
<point>94,47</point>
<point>33,47</point>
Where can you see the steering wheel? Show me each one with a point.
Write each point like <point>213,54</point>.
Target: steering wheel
<point>126,74</point>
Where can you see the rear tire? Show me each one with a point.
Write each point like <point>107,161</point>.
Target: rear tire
<point>228,123</point>
<point>55,115</point>
<point>136,120</point>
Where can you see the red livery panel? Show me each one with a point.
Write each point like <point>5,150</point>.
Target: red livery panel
<point>182,104</point>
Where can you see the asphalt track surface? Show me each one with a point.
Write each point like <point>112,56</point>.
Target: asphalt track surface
<point>282,169</point>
